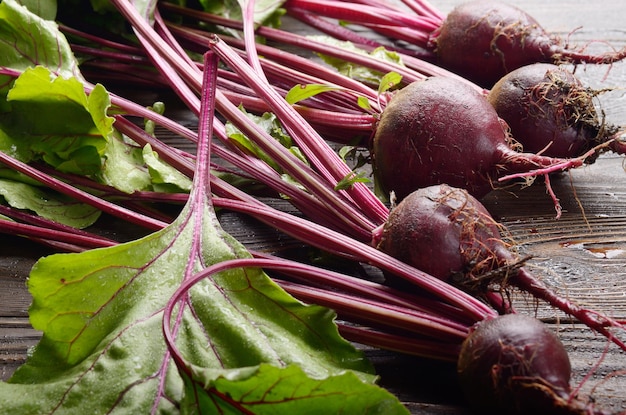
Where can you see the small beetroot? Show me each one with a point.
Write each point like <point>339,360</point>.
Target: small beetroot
<point>447,233</point>
<point>514,364</point>
<point>550,111</point>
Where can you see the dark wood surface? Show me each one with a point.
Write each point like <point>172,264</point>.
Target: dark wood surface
<point>583,255</point>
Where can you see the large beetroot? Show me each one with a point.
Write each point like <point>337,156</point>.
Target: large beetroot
<point>484,40</point>
<point>441,130</point>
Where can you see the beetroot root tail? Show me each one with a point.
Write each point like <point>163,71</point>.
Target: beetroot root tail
<point>592,319</point>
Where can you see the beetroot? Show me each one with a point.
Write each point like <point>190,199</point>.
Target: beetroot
<point>550,111</point>
<point>441,130</point>
<point>514,364</point>
<point>484,40</point>
<point>481,40</point>
<point>447,233</point>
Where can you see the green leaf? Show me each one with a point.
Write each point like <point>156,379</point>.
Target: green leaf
<point>124,166</point>
<point>164,177</point>
<point>270,124</point>
<point>41,105</point>
<point>46,9</point>
<point>266,12</point>
<point>103,351</point>
<point>29,40</point>
<point>149,125</point>
<point>301,92</point>
<point>261,390</point>
<point>48,204</point>
<point>388,81</point>
<point>364,103</point>
<point>36,128</point>
<point>349,180</point>
<point>355,71</point>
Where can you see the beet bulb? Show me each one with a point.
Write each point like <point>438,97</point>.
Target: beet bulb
<point>449,234</point>
<point>513,364</point>
<point>550,111</point>
<point>484,40</point>
<point>440,130</point>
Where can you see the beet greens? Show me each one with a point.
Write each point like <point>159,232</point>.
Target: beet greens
<point>99,307</point>
<point>286,114</point>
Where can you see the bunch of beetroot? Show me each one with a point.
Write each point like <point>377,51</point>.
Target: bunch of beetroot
<point>439,145</point>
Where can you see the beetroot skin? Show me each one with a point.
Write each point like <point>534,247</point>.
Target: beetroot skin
<point>445,232</point>
<point>514,364</point>
<point>427,136</point>
<point>549,110</point>
<point>484,40</point>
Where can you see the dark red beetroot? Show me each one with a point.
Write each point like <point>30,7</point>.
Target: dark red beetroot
<point>441,130</point>
<point>447,233</point>
<point>550,111</point>
<point>514,364</point>
<point>484,40</point>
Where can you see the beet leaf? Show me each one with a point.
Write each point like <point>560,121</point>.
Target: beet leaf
<point>253,347</point>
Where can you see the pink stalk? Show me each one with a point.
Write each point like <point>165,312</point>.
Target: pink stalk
<point>66,239</point>
<point>299,63</point>
<point>302,200</point>
<point>80,195</point>
<point>370,290</point>
<point>366,14</point>
<point>336,242</point>
<point>414,69</point>
<point>596,321</point>
<point>301,172</point>
<point>399,343</point>
<point>333,29</point>
<point>107,44</point>
<point>299,128</point>
<point>249,36</point>
<point>180,161</point>
<point>398,33</point>
<point>419,7</point>
<point>424,8</point>
<point>292,39</point>
<point>369,311</point>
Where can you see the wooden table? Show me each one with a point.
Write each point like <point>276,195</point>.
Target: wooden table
<point>582,255</point>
